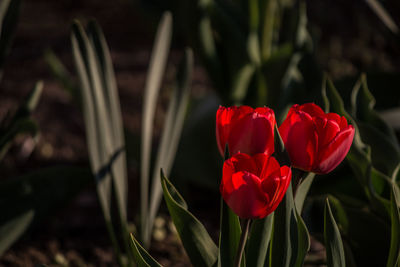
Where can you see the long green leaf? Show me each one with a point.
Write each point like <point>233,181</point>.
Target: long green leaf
<point>333,240</point>
<point>142,257</point>
<point>118,168</point>
<point>157,66</point>
<point>394,252</point>
<point>290,238</point>
<point>258,243</point>
<point>104,140</point>
<point>229,236</point>
<point>14,228</point>
<point>199,246</point>
<point>97,154</point>
<point>172,130</point>
<point>302,191</point>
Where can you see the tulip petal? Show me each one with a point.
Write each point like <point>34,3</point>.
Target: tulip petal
<point>247,200</point>
<point>326,130</point>
<point>311,109</point>
<point>224,118</point>
<point>244,162</point>
<point>266,166</point>
<point>252,134</point>
<point>300,138</point>
<point>334,153</point>
<point>286,176</point>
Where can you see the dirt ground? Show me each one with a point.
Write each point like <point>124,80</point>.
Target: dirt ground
<point>349,39</point>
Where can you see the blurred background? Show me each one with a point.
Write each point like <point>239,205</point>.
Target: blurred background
<point>348,38</point>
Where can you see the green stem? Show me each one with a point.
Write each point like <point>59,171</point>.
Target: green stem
<point>242,243</point>
<point>114,242</point>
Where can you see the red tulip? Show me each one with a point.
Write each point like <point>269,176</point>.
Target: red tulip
<point>245,130</point>
<point>253,186</point>
<point>316,141</point>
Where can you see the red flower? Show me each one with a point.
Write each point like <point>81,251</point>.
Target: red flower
<point>245,129</point>
<point>254,186</point>
<point>316,141</point>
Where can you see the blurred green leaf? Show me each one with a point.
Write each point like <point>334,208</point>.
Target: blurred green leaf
<point>374,130</point>
<point>103,123</point>
<point>142,257</point>
<point>258,242</point>
<point>29,198</point>
<point>172,130</point>
<point>230,231</point>
<point>384,16</point>
<point>199,246</point>
<point>62,75</point>
<point>154,77</point>
<point>394,253</point>
<point>20,123</point>
<point>290,238</point>
<point>111,99</point>
<point>13,229</point>
<point>333,240</point>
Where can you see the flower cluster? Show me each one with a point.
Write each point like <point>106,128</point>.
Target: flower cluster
<point>253,182</point>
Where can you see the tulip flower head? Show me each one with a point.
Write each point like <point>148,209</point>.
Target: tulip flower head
<point>316,141</point>
<point>245,129</point>
<point>253,186</point>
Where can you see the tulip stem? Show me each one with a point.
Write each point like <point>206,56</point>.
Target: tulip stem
<point>242,242</point>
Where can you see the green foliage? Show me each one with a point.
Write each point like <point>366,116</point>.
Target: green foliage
<point>142,257</point>
<point>199,246</point>
<point>374,160</point>
<point>258,243</point>
<point>20,122</point>
<point>154,77</point>
<point>394,253</point>
<point>229,236</point>
<point>103,122</point>
<point>333,240</point>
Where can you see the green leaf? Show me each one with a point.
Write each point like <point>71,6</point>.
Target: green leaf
<point>62,75</point>
<point>98,144</point>
<point>172,130</point>
<point>13,229</point>
<point>199,246</point>
<point>142,257</point>
<point>258,243</point>
<point>385,153</point>
<point>154,77</point>
<point>32,197</point>
<point>384,16</point>
<point>112,105</point>
<point>229,236</point>
<point>333,240</point>
<point>103,122</point>
<point>302,191</point>
<point>394,253</point>
<point>290,238</point>
<point>20,123</point>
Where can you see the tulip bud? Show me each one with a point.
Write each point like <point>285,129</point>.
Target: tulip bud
<point>245,129</point>
<point>253,186</point>
<point>316,141</point>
